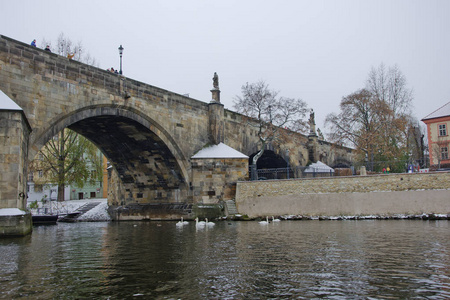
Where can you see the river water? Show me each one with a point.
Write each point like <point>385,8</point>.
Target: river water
<point>369,259</point>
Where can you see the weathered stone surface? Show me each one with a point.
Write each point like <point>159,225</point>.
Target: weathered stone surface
<point>215,179</point>
<point>381,194</point>
<point>18,225</point>
<point>13,160</point>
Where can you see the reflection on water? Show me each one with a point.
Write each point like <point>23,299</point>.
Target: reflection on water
<point>232,260</point>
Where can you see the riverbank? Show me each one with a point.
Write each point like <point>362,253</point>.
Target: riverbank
<point>377,196</point>
<point>424,217</point>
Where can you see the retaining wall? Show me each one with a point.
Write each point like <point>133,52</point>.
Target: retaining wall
<point>388,194</point>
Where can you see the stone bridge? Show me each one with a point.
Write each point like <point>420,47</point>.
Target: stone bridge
<point>148,134</point>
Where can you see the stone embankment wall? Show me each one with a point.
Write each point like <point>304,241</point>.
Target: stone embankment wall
<point>387,195</point>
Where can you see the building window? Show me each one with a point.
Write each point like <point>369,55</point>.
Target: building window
<point>442,130</point>
<point>30,176</point>
<point>40,174</point>
<point>444,153</point>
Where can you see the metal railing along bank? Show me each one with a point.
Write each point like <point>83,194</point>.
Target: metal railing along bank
<point>289,173</point>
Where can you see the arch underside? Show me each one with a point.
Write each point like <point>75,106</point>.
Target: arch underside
<point>147,169</point>
<point>269,160</point>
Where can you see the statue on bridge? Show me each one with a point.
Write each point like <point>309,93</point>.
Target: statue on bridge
<point>312,123</point>
<point>216,81</point>
<point>312,120</point>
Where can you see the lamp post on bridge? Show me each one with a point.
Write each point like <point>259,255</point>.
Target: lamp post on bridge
<point>120,53</point>
<point>288,166</point>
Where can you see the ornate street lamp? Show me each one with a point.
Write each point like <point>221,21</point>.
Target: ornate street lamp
<point>120,53</point>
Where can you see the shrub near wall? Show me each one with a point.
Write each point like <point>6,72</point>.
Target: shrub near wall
<point>357,195</point>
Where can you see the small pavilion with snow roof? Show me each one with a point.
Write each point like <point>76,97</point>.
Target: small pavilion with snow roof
<point>215,171</point>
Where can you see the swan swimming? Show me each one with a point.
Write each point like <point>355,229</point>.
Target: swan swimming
<point>182,223</point>
<point>210,224</point>
<point>199,223</point>
<point>264,222</point>
<point>275,220</point>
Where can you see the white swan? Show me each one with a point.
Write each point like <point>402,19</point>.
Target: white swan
<point>264,222</point>
<point>275,220</point>
<point>182,223</point>
<point>209,224</point>
<point>199,223</point>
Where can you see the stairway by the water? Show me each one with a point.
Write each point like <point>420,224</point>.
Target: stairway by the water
<point>72,217</point>
<point>231,207</point>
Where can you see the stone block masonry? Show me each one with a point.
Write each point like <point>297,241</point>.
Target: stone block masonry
<point>14,133</point>
<point>215,179</point>
<point>347,196</point>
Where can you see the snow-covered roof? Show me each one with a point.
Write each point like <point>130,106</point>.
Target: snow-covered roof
<point>318,167</point>
<point>443,111</point>
<point>11,212</point>
<point>219,151</point>
<point>7,104</point>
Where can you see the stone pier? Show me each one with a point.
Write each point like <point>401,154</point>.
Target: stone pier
<point>14,134</point>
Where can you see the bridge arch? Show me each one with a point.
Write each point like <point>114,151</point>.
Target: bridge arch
<point>148,161</point>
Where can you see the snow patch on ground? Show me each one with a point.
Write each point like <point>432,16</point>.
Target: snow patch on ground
<point>98,213</point>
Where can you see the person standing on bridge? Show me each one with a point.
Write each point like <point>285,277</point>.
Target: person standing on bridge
<point>48,48</point>
<point>33,43</point>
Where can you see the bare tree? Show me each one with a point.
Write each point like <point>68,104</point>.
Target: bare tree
<point>269,114</point>
<point>65,47</point>
<point>358,123</point>
<point>376,120</point>
<point>390,86</point>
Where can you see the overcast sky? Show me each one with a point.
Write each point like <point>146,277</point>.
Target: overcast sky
<point>318,51</point>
